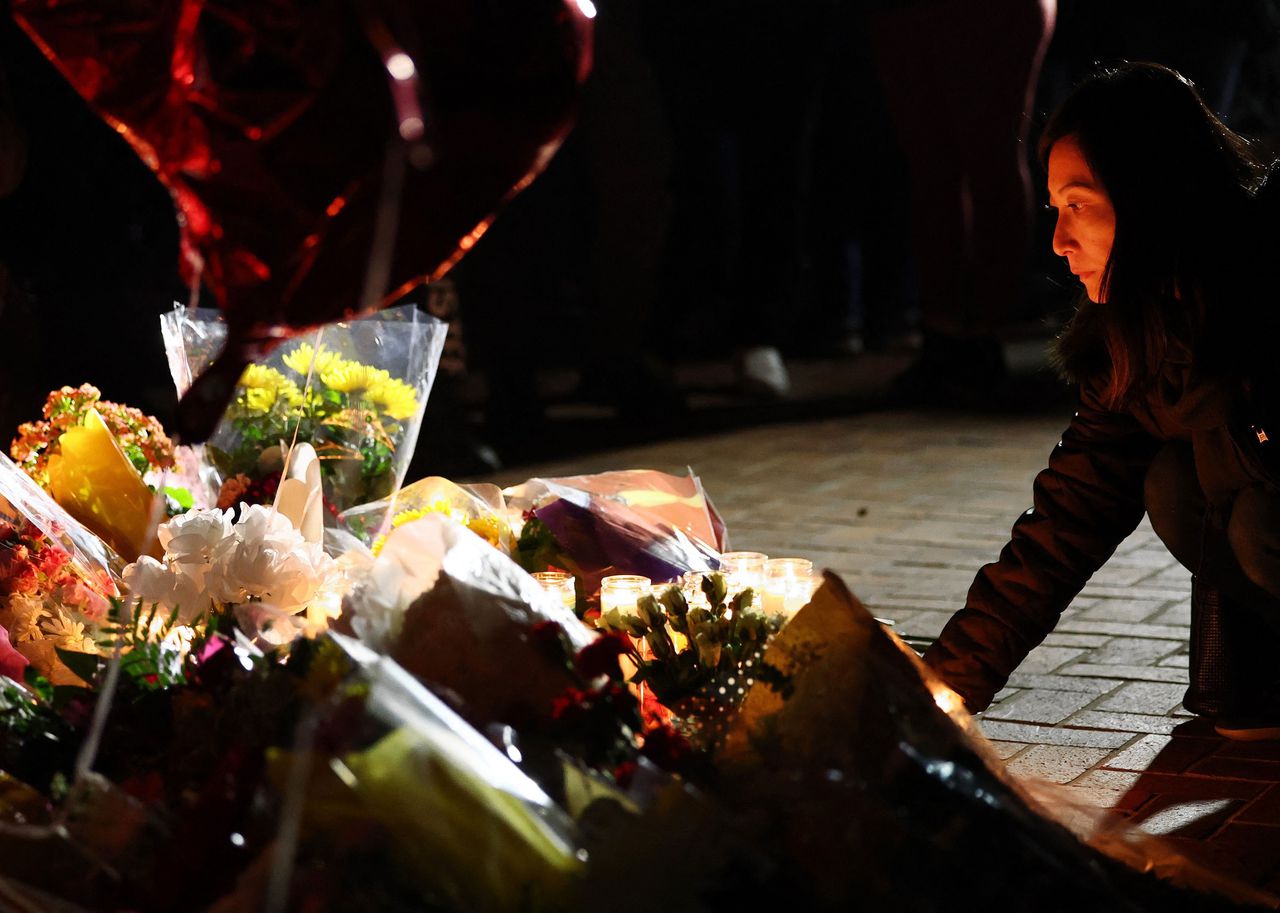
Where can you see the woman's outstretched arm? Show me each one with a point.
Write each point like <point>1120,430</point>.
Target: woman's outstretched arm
<point>1088,499</point>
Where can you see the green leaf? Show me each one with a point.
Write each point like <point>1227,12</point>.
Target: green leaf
<point>181,497</point>
<point>84,665</point>
<point>39,685</point>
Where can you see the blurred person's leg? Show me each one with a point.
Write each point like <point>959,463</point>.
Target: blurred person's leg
<point>959,79</point>
<point>909,44</point>
<point>778,76</point>
<point>626,161</point>
<point>859,222</point>
<point>996,99</point>
<point>688,46</point>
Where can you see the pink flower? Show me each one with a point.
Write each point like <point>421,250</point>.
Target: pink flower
<point>90,604</point>
<point>12,663</point>
<point>52,560</point>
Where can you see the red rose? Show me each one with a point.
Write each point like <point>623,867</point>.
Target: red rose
<point>600,657</point>
<point>623,773</point>
<point>666,747</point>
<point>52,560</point>
<point>547,637</point>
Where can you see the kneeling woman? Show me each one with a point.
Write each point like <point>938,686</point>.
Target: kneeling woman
<point>1162,215</point>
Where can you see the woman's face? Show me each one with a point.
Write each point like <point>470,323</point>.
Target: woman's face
<point>1086,219</point>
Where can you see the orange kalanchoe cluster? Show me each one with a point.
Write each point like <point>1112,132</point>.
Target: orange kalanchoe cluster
<point>140,436</point>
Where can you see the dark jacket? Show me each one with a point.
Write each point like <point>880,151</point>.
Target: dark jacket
<point>1088,500</point>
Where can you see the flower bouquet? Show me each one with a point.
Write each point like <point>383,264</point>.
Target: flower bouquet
<point>355,391</point>
<point>104,463</point>
<point>55,583</point>
<point>428,729</point>
<point>479,507</point>
<point>699,661</point>
<point>628,522</point>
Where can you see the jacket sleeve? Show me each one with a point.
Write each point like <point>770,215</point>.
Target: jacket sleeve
<point>1085,503</point>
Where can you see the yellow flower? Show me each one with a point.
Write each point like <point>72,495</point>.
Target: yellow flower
<point>394,397</point>
<point>260,399</point>
<point>352,377</point>
<point>440,506</point>
<point>264,386</point>
<point>487,527</point>
<point>302,358</point>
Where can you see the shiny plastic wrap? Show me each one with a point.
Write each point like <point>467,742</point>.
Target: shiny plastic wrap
<point>367,773</point>
<point>20,496</point>
<point>457,613</point>
<point>480,507</point>
<point>635,521</point>
<point>354,390</point>
<point>465,823</point>
<point>864,755</point>
<point>323,157</point>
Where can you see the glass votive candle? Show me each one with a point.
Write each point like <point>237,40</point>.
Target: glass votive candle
<point>788,584</point>
<point>743,570</point>
<point>560,585</point>
<point>690,584</point>
<point>622,591</point>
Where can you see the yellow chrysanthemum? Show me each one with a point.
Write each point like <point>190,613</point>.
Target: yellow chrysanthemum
<point>435,507</point>
<point>259,399</point>
<point>352,377</point>
<point>302,358</point>
<point>487,527</point>
<point>264,386</point>
<point>394,397</point>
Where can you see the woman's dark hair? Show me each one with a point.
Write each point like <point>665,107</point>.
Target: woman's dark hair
<point>1181,184</point>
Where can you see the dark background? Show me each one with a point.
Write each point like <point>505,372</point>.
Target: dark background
<point>634,253</point>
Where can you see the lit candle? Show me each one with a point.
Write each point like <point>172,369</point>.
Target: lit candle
<point>622,591</point>
<point>788,584</point>
<point>691,587</point>
<point>560,585</point>
<point>743,570</point>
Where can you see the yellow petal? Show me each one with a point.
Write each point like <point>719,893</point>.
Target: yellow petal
<point>93,479</point>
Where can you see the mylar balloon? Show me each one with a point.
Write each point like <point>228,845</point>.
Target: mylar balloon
<point>324,157</point>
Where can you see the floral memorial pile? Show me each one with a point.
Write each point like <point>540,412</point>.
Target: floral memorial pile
<point>565,695</point>
<point>262,672</point>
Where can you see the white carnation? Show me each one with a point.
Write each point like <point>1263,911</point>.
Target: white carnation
<point>189,538</point>
<point>168,585</point>
<point>266,559</point>
<point>261,564</point>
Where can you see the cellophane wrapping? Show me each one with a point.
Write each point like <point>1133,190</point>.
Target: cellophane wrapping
<point>637,521</point>
<point>355,391</point>
<point>480,507</point>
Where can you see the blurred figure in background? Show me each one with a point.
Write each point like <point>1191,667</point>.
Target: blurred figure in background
<point>739,81</point>
<point>959,79</point>
<point>862,288</point>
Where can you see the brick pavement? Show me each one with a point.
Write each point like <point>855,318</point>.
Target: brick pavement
<point>906,507</point>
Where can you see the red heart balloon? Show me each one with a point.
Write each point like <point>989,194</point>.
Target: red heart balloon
<point>326,157</point>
